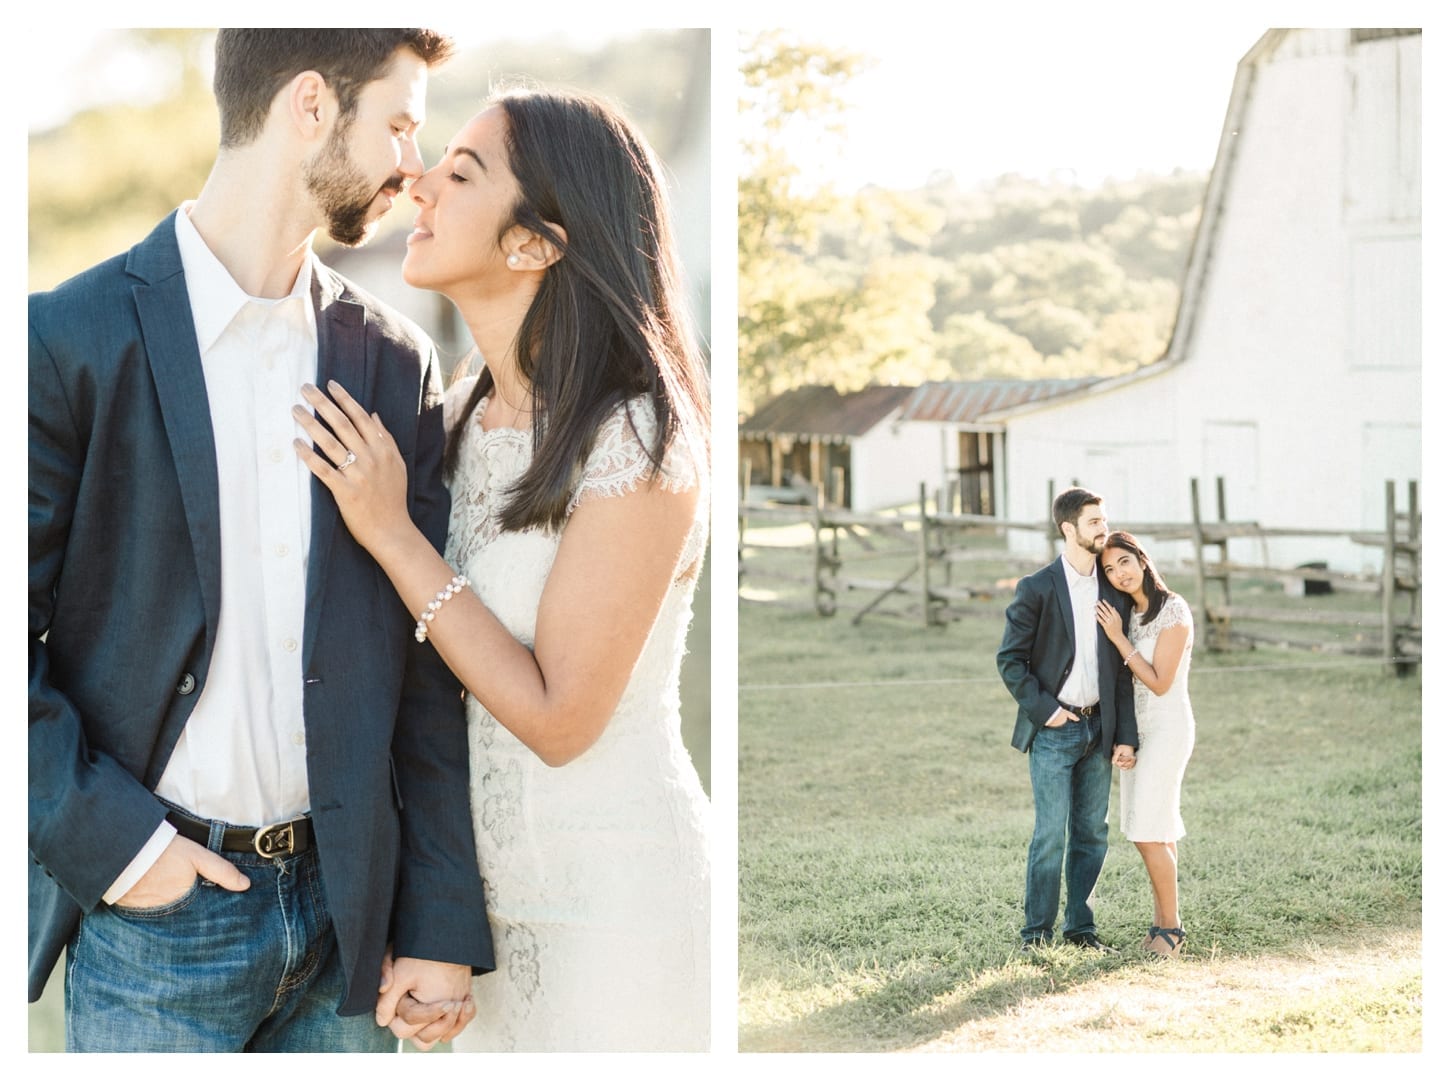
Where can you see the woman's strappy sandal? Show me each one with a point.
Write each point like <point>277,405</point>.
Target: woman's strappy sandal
<point>1174,936</point>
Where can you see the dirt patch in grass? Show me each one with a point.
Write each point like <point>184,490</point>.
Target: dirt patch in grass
<point>1361,997</point>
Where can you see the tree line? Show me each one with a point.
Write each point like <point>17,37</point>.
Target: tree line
<point>102,179</point>
<point>1016,278</point>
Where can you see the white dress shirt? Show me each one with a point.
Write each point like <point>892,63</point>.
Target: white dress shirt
<point>242,756</point>
<point>1081,688</point>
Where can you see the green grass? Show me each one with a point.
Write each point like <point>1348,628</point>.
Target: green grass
<point>884,820</point>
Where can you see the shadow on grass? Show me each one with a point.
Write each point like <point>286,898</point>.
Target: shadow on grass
<point>952,1002</point>
<point>918,1007</point>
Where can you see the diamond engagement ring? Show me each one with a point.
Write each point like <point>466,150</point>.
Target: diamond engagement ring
<point>351,457</point>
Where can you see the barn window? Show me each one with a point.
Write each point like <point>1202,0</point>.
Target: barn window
<point>975,472</point>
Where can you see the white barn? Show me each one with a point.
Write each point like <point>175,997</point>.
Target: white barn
<point>1294,367</point>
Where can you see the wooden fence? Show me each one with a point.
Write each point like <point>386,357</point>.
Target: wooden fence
<point>933,547</point>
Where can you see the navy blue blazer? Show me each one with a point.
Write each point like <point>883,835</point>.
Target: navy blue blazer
<point>125,593</point>
<point>1038,647</point>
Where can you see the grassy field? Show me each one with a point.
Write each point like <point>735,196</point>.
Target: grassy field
<point>884,820</point>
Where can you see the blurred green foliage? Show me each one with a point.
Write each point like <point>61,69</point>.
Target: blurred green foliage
<point>1016,278</point>
<point>102,180</point>
<point>826,295</point>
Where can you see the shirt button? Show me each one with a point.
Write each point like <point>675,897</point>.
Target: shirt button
<point>290,645</point>
<point>297,738</point>
<point>281,549</point>
<point>275,454</point>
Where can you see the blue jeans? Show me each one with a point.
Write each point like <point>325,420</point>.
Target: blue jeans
<point>1070,784</point>
<point>217,971</point>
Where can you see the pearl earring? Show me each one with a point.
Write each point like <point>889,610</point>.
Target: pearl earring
<point>513,260</point>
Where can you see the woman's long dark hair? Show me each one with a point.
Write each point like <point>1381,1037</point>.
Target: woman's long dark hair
<point>609,321</point>
<point>1153,587</point>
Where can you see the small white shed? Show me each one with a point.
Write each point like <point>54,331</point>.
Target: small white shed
<point>852,446</point>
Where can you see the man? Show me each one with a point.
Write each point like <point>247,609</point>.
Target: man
<point>1075,714</point>
<point>248,785</point>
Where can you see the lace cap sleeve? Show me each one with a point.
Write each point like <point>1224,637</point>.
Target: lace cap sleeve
<point>1175,613</point>
<point>621,458</point>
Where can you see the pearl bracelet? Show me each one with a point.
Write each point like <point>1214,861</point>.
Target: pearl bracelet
<point>1126,659</point>
<point>444,595</point>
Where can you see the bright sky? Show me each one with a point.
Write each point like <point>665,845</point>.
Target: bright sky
<point>1087,100</point>
<point>1049,90</point>
<point>91,65</point>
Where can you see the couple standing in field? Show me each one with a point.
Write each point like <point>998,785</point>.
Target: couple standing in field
<point>1096,652</point>
<point>354,706</point>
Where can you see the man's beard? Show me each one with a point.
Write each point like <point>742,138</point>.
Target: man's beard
<point>342,191</point>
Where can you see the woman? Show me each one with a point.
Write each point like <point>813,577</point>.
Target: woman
<point>1157,649</point>
<point>577,466</point>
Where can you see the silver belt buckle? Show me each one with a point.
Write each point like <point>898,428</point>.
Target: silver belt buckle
<point>277,840</point>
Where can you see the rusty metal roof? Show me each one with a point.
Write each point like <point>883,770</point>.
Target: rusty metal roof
<point>825,411</point>
<point>963,402</point>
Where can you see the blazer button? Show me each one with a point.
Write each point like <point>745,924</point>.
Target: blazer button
<point>187,684</point>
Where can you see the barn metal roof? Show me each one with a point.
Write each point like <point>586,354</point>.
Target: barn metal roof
<point>825,411</point>
<point>963,402</point>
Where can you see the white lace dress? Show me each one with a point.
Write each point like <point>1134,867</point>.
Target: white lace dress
<point>596,873</point>
<point>1150,790</point>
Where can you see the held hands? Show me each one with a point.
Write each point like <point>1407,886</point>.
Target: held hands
<point>180,864</point>
<point>1112,624</point>
<point>1124,757</point>
<point>426,1001</point>
<point>359,463</point>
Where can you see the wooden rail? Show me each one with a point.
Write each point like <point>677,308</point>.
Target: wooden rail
<point>933,543</point>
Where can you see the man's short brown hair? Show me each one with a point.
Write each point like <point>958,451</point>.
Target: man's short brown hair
<point>1067,507</point>
<point>252,65</point>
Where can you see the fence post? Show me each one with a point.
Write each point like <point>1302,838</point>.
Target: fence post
<point>943,509</point>
<point>1199,579</point>
<point>1224,546</point>
<point>1387,581</point>
<point>740,523</point>
<point>1415,559</point>
<point>924,554</point>
<point>825,596</point>
<point>1201,574</point>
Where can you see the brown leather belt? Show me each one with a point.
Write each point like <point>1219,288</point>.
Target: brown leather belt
<point>279,839</point>
<point>1081,711</point>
